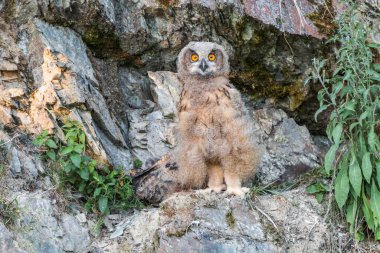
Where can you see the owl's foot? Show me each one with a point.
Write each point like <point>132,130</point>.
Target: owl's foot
<point>238,191</point>
<point>217,189</point>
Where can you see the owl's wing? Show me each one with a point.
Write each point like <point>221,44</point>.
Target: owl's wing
<point>158,182</point>
<point>236,99</point>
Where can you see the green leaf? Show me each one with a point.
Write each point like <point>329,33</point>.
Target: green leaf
<point>76,159</point>
<point>342,187</point>
<point>82,138</point>
<point>84,174</point>
<point>91,166</point>
<point>337,87</point>
<point>375,203</point>
<point>376,67</point>
<point>353,125</point>
<point>321,109</point>
<point>368,215</point>
<point>106,170</point>
<point>96,177</point>
<point>68,124</point>
<point>363,116</point>
<point>316,187</point>
<point>112,174</point>
<point>372,137</point>
<point>337,133</point>
<point>51,144</point>
<point>319,196</point>
<point>79,148</point>
<point>351,213</point>
<point>359,236</point>
<point>347,75</point>
<point>38,141</point>
<point>51,155</point>
<point>44,133</point>
<point>377,234</point>
<point>367,166</point>
<point>330,158</point>
<point>97,192</point>
<point>82,186</point>
<point>70,135</point>
<point>374,75</point>
<point>103,204</point>
<point>355,175</point>
<point>67,150</point>
<point>374,45</point>
<point>68,167</point>
<point>378,172</point>
<point>350,106</point>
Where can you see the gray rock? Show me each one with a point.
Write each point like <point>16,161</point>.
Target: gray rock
<point>290,149</point>
<point>151,133</point>
<point>73,49</point>
<point>40,231</point>
<point>194,222</point>
<point>14,161</point>
<point>22,164</point>
<point>28,165</point>
<point>7,242</point>
<point>43,233</point>
<point>5,116</point>
<point>68,81</point>
<point>166,89</point>
<point>76,237</point>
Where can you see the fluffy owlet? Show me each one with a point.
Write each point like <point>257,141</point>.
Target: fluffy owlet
<point>215,143</point>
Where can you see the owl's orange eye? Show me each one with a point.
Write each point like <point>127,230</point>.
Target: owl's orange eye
<point>194,57</point>
<point>211,57</point>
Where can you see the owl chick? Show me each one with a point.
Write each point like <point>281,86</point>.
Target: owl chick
<point>215,142</point>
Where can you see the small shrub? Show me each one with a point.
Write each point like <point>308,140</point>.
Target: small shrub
<point>352,92</point>
<point>137,164</point>
<point>102,188</point>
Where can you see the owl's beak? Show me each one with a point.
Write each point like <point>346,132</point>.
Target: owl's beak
<point>203,65</point>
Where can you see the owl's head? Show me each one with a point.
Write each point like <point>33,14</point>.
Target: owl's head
<point>203,60</point>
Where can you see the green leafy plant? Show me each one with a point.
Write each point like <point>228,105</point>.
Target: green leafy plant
<point>137,163</point>
<point>352,92</point>
<point>319,189</point>
<point>102,188</point>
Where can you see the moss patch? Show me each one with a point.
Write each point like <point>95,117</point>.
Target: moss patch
<point>261,83</point>
<point>323,18</point>
<point>230,219</point>
<point>98,39</point>
<point>168,3</point>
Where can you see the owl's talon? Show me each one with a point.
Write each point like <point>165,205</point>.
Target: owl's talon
<point>209,190</point>
<point>240,192</point>
<point>218,189</point>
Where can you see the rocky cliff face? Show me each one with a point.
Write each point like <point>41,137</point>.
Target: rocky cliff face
<point>89,61</point>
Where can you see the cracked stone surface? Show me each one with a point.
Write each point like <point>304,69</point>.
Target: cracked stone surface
<point>193,222</point>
